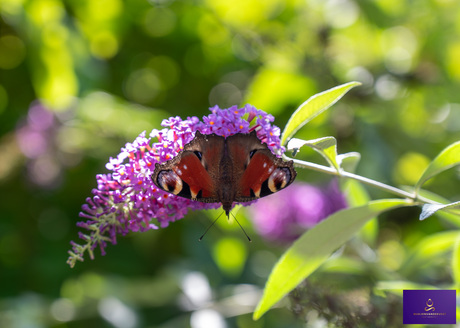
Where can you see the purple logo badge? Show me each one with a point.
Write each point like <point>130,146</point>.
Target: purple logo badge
<point>429,307</point>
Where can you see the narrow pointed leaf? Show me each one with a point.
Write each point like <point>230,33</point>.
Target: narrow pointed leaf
<point>314,106</point>
<point>448,217</point>
<point>357,195</point>
<point>427,251</point>
<point>397,286</point>
<point>349,161</point>
<point>429,209</point>
<point>327,147</point>
<point>315,246</point>
<point>448,158</point>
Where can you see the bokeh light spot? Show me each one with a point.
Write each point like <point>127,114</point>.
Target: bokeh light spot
<point>391,254</point>
<point>32,143</point>
<point>72,289</point>
<point>230,255</point>
<point>45,171</point>
<point>143,86</point>
<point>196,288</point>
<point>410,167</point>
<point>453,118</point>
<point>225,95</point>
<point>207,318</point>
<point>399,45</point>
<point>94,285</point>
<point>104,45</point>
<point>117,313</point>
<point>341,13</point>
<point>387,87</point>
<point>159,22</point>
<point>105,9</point>
<point>62,309</point>
<point>246,13</point>
<point>167,69</point>
<point>44,12</point>
<point>39,118</point>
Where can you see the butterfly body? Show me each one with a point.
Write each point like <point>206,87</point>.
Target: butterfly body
<point>215,169</point>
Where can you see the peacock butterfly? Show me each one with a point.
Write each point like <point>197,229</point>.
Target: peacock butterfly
<point>215,169</point>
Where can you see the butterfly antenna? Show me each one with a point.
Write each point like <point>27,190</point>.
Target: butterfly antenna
<point>249,239</point>
<point>201,238</point>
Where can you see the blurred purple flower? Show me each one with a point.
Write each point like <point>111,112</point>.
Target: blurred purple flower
<point>35,133</point>
<point>36,137</point>
<point>127,200</point>
<point>290,212</point>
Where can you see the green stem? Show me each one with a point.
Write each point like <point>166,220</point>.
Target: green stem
<point>367,181</point>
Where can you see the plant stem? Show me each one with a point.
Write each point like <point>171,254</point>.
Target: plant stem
<point>370,182</point>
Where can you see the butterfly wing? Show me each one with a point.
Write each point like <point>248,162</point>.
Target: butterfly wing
<point>191,174</point>
<point>260,173</point>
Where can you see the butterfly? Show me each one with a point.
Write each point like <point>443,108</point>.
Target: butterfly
<point>215,169</point>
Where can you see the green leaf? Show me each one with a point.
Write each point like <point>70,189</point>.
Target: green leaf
<point>345,265</point>
<point>326,146</point>
<point>429,209</point>
<point>314,106</point>
<point>433,245</point>
<point>357,196</point>
<point>315,246</point>
<point>349,161</point>
<point>397,286</point>
<point>451,219</point>
<point>428,250</point>
<point>448,158</point>
<point>355,192</point>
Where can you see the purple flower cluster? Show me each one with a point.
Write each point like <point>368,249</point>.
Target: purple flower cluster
<point>127,200</point>
<point>290,212</point>
<point>241,120</point>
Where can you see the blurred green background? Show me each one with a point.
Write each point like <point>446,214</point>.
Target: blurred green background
<point>109,69</point>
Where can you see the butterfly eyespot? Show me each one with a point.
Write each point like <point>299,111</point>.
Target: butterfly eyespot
<point>198,154</point>
<point>279,179</point>
<point>169,181</point>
